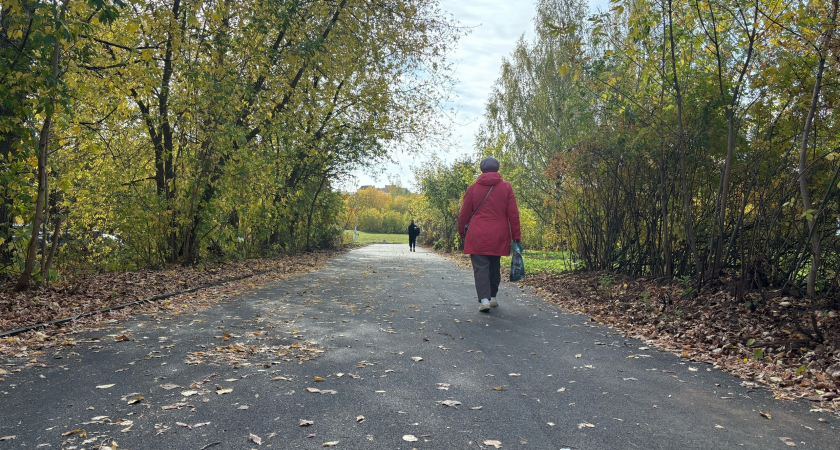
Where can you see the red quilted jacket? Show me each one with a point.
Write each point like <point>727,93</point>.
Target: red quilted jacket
<point>496,223</point>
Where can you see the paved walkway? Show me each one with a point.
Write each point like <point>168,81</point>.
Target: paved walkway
<point>526,375</point>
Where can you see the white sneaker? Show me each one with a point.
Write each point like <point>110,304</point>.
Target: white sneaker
<point>485,305</point>
<point>493,302</point>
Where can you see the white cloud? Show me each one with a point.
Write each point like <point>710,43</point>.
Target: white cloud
<point>496,27</point>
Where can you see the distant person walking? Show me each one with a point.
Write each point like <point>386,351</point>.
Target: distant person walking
<point>490,212</point>
<point>413,232</point>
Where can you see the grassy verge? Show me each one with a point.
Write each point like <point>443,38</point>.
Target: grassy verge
<point>376,238</point>
<point>539,260</point>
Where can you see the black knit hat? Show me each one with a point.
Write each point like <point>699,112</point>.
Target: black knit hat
<point>489,164</point>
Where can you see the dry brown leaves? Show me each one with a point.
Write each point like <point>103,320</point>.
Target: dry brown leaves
<point>774,346</point>
<point>240,354</point>
<point>21,309</point>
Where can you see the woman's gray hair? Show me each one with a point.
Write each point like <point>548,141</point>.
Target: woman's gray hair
<point>489,164</point>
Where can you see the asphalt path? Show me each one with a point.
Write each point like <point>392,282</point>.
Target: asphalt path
<point>407,361</point>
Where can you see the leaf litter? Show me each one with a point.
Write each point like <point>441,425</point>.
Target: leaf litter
<point>72,297</point>
<point>785,343</point>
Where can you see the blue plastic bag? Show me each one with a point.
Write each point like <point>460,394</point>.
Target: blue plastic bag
<point>517,264</point>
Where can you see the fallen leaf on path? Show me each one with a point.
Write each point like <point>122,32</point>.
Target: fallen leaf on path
<point>169,386</point>
<point>317,378</point>
<point>243,407</point>
<point>410,438</point>
<point>562,389</point>
<point>578,355</point>
<point>178,405</point>
<point>122,338</point>
<point>476,408</point>
<point>182,424</point>
<point>313,390</point>
<point>255,439</point>
<point>443,386</point>
<point>223,391</point>
<point>311,435</point>
<point>305,423</point>
<point>417,358</point>
<point>360,419</point>
<point>585,425</point>
<point>189,393</point>
<point>82,433</point>
<point>105,386</point>
<point>136,400</point>
<point>450,403</point>
<point>7,438</point>
<point>718,426</point>
<point>787,441</point>
<point>329,444</point>
<point>499,388</point>
<point>514,374</point>
<point>493,443</point>
<point>765,415</point>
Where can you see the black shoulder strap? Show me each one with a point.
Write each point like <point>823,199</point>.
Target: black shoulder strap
<point>482,202</point>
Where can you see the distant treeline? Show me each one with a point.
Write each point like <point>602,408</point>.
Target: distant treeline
<point>375,210</point>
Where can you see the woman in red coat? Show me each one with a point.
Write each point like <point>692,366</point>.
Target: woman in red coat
<point>490,210</point>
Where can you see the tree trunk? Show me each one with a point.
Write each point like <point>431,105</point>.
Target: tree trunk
<point>43,147</point>
<point>803,158</point>
<point>686,194</point>
<point>311,210</point>
<point>43,153</point>
<point>53,247</point>
<point>45,221</point>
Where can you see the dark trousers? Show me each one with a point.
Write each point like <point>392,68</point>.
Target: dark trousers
<point>486,270</point>
<point>412,242</point>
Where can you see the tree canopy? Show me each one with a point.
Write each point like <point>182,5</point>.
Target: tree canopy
<point>182,129</point>
<point>678,138</point>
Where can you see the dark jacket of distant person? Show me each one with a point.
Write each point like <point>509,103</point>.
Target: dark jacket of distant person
<point>413,230</point>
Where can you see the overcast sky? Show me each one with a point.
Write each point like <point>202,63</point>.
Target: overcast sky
<point>496,26</point>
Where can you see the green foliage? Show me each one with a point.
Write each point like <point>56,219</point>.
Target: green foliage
<point>376,238</point>
<point>204,130</point>
<point>443,187</point>
<point>378,211</point>
<point>657,139</point>
<point>370,220</point>
<point>543,260</point>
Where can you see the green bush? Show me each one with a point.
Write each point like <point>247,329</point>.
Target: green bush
<point>393,222</point>
<point>370,220</point>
